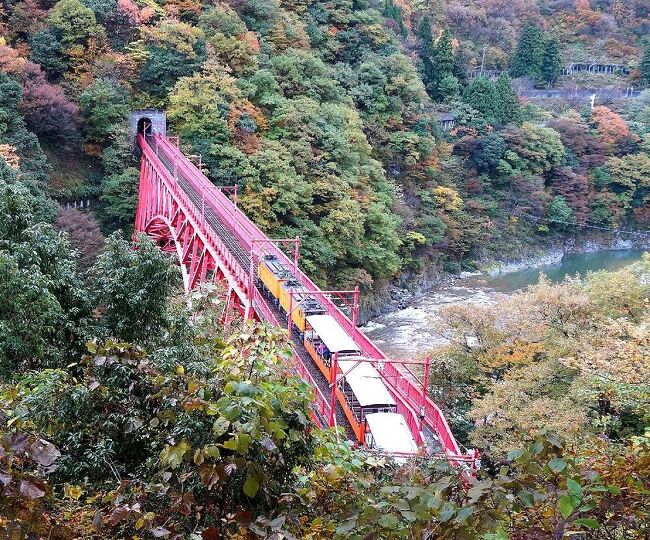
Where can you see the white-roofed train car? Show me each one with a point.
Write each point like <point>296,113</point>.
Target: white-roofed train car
<point>365,383</point>
<point>388,432</point>
<point>360,389</point>
<point>324,338</point>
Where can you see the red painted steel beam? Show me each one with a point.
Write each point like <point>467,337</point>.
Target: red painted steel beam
<point>201,249</point>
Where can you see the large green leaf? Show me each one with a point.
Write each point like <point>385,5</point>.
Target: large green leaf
<point>173,455</point>
<point>587,522</point>
<point>251,486</point>
<point>574,488</point>
<point>566,505</point>
<point>557,464</point>
<point>526,498</point>
<point>388,521</point>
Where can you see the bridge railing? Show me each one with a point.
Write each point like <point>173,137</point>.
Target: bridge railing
<point>403,386</point>
<point>431,411</point>
<point>207,235</point>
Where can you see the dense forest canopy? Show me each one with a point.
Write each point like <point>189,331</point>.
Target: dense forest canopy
<point>127,410</point>
<point>326,116</point>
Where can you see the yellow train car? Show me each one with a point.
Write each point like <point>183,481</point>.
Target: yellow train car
<point>301,305</point>
<point>273,274</point>
<point>284,297</point>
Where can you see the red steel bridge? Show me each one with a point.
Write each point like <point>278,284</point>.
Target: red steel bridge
<point>215,242</point>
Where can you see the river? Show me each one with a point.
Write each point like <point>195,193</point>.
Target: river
<point>410,332</point>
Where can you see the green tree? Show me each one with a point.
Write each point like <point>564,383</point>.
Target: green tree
<point>34,168</point>
<point>102,9</point>
<point>227,439</point>
<point>174,50</point>
<point>132,288</point>
<point>103,104</point>
<point>644,66</point>
<point>118,155</point>
<point>552,63</point>
<point>507,105</point>
<point>43,303</point>
<point>393,12</point>
<point>75,21</point>
<point>533,149</point>
<point>301,73</point>
<point>426,52</point>
<point>47,51</point>
<point>444,54</point>
<point>481,96</point>
<point>449,89</point>
<point>443,63</point>
<point>529,55</point>
<point>120,198</point>
<point>436,59</point>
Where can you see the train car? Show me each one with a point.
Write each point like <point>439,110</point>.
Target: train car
<point>273,273</point>
<point>300,304</point>
<point>363,396</point>
<point>323,338</point>
<point>387,432</point>
<point>361,392</point>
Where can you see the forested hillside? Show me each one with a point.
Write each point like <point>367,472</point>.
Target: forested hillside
<point>396,138</point>
<point>326,116</point>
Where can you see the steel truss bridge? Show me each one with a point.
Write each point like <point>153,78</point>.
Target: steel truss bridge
<point>215,242</point>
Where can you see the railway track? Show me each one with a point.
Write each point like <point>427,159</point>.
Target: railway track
<point>210,216</point>
<point>243,258</point>
<point>314,371</point>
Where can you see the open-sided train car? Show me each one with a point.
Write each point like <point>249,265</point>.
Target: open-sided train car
<point>388,432</point>
<point>324,338</point>
<point>361,392</point>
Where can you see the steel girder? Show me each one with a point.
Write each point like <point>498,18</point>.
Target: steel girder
<point>166,215</point>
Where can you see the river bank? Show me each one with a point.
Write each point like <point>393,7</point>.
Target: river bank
<point>409,331</point>
<point>407,290</point>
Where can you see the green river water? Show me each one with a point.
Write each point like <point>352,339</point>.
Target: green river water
<point>410,332</point>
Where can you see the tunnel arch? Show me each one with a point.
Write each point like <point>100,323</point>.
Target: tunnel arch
<point>149,122</point>
<point>144,126</point>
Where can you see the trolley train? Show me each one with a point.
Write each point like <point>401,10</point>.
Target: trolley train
<point>364,398</point>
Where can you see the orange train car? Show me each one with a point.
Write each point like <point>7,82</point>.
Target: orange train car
<point>360,390</point>
<point>364,398</point>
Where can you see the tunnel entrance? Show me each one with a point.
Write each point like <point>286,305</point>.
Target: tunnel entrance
<point>147,122</point>
<point>144,126</point>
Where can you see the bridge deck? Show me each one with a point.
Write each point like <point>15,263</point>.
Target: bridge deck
<point>243,258</point>
<point>235,237</point>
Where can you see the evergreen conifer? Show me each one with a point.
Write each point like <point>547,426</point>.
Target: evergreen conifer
<point>426,52</point>
<point>507,107</point>
<point>529,55</point>
<point>551,63</point>
<point>481,96</point>
<point>644,66</point>
<point>391,11</point>
<point>437,61</point>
